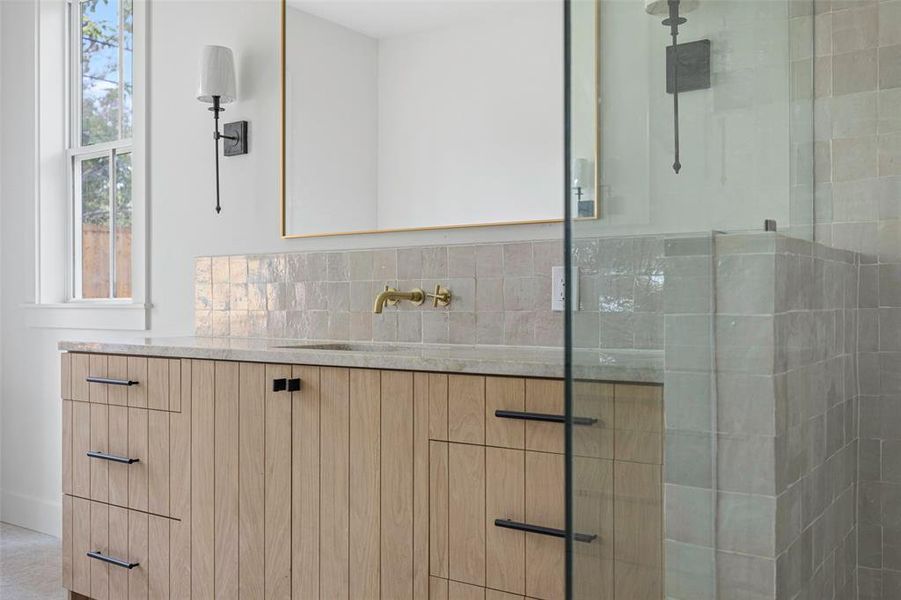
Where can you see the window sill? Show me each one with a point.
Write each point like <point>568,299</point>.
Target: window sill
<point>118,316</point>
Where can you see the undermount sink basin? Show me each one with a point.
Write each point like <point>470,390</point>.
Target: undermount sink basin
<point>342,347</point>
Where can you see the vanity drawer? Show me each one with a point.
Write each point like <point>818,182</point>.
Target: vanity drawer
<point>472,409</point>
<point>529,414</point>
<point>136,381</point>
<point>519,413</point>
<point>497,516</point>
<point>110,552</point>
<point>117,454</point>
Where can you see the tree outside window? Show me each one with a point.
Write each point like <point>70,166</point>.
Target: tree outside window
<point>103,86</point>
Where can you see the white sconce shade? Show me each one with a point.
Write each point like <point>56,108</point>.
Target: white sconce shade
<point>217,75</point>
<point>661,7</point>
<point>583,173</point>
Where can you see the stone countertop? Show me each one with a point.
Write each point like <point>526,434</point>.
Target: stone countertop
<point>639,366</point>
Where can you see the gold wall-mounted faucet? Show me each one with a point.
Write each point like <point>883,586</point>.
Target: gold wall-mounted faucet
<point>391,296</point>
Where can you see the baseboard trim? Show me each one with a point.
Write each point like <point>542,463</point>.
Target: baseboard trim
<point>32,513</point>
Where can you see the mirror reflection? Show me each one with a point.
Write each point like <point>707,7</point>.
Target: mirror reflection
<point>423,114</point>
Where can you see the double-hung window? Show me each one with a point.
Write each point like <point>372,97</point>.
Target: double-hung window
<point>101,131</point>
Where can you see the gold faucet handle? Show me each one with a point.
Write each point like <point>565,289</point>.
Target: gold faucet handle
<point>390,301</point>
<point>442,296</point>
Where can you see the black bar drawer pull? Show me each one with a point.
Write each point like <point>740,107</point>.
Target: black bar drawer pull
<point>560,533</point>
<point>109,381</point>
<point>531,416</point>
<point>279,385</point>
<point>294,385</point>
<point>112,457</point>
<point>111,560</point>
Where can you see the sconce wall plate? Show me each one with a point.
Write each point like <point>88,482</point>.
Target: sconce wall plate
<point>238,145</point>
<point>694,66</point>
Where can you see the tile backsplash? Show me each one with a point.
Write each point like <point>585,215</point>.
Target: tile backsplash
<point>501,294</point>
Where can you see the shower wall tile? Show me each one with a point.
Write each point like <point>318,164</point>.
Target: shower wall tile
<point>691,571</point>
<point>761,401</point>
<point>865,215</point>
<point>739,575</point>
<point>854,71</point>
<point>817,449</point>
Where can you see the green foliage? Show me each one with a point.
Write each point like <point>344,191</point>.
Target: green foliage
<point>101,107</point>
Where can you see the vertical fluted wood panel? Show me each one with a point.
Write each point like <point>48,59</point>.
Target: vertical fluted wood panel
<point>180,468</point>
<point>226,479</point>
<point>202,480</point>
<point>397,485</point>
<point>365,476</point>
<point>420,486</point>
<point>278,486</point>
<point>334,483</point>
<point>305,486</point>
<point>252,523</point>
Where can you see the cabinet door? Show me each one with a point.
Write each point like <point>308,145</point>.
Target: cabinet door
<point>358,510</point>
<point>229,536</point>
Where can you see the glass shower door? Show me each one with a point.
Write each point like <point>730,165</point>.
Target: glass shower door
<point>674,352</point>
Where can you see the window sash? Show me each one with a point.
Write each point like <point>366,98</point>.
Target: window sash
<point>78,153</point>
<point>77,160</point>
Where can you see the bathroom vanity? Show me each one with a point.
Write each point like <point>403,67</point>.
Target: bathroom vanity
<point>202,467</point>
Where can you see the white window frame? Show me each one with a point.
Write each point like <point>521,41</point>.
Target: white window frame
<point>56,303</point>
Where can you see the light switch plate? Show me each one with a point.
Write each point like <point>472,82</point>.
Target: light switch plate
<point>558,288</point>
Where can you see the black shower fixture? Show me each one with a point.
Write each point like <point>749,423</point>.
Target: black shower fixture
<point>687,65</point>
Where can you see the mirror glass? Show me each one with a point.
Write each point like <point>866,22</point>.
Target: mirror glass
<point>422,114</point>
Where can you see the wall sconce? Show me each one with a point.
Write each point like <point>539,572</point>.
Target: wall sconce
<point>687,65</point>
<point>217,87</point>
<point>583,186</point>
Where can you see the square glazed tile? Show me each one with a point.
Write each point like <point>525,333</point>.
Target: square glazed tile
<point>490,260</point>
<point>434,262</point>
<point>384,265</point>
<point>461,261</point>
<point>518,260</point>
<point>237,269</point>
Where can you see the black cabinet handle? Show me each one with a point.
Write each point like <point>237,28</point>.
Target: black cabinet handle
<point>111,560</point>
<point>279,385</point>
<point>112,457</point>
<point>294,385</point>
<point>108,381</point>
<point>529,528</point>
<point>532,416</point>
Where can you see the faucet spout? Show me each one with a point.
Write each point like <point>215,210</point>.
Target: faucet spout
<point>390,296</point>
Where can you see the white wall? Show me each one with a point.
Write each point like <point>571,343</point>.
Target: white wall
<point>471,121</point>
<point>182,220</point>
<point>332,124</point>
<point>455,124</point>
<point>735,138</point>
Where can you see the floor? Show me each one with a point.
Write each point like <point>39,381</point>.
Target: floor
<point>29,565</point>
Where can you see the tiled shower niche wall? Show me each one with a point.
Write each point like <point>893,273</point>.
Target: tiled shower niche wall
<point>501,294</point>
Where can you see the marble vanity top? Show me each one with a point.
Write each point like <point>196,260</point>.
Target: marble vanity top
<point>641,366</point>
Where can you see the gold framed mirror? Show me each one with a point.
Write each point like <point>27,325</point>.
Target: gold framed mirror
<point>411,116</point>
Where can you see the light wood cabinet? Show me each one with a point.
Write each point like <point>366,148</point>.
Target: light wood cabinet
<point>116,445</point>
<point>496,454</point>
<point>361,484</point>
<point>136,541</point>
